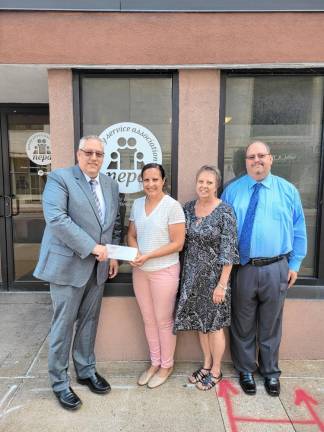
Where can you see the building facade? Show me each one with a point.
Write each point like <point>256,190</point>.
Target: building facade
<point>174,82</point>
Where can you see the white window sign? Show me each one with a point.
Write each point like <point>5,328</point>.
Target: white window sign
<point>128,147</point>
<point>38,148</point>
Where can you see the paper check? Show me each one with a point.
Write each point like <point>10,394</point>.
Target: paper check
<point>124,253</point>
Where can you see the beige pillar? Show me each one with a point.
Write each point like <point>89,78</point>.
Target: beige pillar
<point>199,93</point>
<point>61,117</point>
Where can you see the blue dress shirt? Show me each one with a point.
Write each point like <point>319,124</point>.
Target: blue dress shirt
<point>279,225</point>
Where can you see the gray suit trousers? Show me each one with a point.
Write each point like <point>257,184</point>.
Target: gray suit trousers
<point>75,309</point>
<point>258,296</point>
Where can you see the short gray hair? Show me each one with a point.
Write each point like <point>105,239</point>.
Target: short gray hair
<point>212,169</point>
<point>83,141</point>
<point>258,142</point>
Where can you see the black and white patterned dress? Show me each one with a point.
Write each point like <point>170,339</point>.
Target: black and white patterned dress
<point>211,242</point>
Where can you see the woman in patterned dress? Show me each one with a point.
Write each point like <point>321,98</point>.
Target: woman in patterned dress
<point>205,296</point>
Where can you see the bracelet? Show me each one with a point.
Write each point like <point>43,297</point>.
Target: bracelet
<point>223,287</point>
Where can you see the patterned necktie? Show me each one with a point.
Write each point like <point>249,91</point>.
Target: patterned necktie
<point>245,239</point>
<point>93,184</point>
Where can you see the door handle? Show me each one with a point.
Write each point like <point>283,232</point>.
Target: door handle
<point>7,206</point>
<point>13,197</point>
<point>2,211</point>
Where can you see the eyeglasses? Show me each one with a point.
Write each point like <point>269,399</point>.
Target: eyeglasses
<point>89,153</point>
<point>259,156</point>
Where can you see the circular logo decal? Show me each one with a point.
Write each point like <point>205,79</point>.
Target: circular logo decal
<point>38,148</point>
<point>128,147</point>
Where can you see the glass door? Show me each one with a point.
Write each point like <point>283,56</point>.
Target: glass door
<point>26,159</point>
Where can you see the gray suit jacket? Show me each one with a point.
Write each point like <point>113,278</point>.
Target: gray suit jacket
<point>73,227</point>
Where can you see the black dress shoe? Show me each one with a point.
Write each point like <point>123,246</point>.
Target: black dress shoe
<point>247,383</point>
<point>68,399</point>
<point>96,383</point>
<point>272,386</point>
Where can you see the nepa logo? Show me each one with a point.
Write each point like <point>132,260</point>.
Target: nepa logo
<point>38,148</point>
<point>128,147</point>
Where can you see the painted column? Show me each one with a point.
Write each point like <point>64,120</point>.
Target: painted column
<point>199,93</point>
<point>61,117</point>
<point>199,101</point>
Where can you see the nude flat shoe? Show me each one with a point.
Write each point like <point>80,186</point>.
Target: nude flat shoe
<point>156,380</point>
<point>145,377</point>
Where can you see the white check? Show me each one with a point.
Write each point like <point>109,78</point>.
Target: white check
<point>124,253</point>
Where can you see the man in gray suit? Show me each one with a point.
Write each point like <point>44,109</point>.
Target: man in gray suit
<point>82,215</point>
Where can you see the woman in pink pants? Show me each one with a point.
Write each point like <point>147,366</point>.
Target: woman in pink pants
<point>157,229</point>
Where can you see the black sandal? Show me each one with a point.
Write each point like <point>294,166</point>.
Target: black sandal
<point>198,375</point>
<point>209,381</point>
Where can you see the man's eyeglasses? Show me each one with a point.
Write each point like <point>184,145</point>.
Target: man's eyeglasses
<point>259,156</point>
<point>89,153</point>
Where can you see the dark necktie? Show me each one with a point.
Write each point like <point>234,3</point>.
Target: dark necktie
<point>246,233</point>
<point>93,184</point>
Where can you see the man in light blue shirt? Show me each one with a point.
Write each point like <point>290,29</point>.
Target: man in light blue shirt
<point>272,243</point>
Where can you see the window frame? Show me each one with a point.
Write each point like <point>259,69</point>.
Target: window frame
<point>122,285</point>
<point>311,287</point>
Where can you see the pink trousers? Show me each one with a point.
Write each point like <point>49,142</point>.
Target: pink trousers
<point>156,294</point>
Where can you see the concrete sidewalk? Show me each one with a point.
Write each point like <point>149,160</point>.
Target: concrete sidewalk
<point>27,403</point>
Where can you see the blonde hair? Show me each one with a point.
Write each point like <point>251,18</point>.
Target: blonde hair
<point>213,169</point>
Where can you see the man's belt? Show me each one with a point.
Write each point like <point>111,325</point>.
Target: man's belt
<point>259,262</point>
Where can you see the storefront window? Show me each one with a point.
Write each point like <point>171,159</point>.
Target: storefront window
<point>134,117</point>
<point>286,112</point>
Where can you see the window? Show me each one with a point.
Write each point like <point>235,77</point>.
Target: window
<point>133,114</point>
<point>287,113</point>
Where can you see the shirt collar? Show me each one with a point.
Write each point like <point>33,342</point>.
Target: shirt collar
<point>89,178</point>
<point>266,182</point>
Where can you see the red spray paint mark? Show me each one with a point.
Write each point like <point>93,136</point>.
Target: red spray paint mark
<point>302,397</point>
<point>227,390</point>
